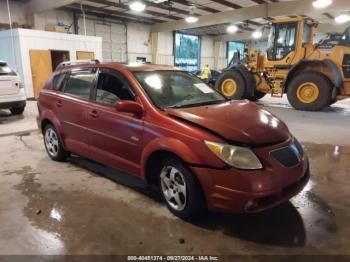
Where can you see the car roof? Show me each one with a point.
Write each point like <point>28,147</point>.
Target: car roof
<point>151,67</point>
<point>134,67</point>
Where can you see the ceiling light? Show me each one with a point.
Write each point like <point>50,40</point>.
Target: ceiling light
<point>191,19</point>
<point>232,29</point>
<point>340,19</point>
<point>137,6</point>
<point>322,3</point>
<point>257,34</point>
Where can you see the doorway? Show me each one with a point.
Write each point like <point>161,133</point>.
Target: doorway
<point>43,62</point>
<point>58,57</point>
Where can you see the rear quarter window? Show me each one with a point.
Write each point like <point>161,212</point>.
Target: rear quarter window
<point>79,84</point>
<point>59,82</point>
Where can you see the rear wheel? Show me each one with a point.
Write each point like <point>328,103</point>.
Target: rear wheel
<point>17,110</point>
<point>53,144</point>
<point>231,84</point>
<point>180,189</point>
<point>310,91</point>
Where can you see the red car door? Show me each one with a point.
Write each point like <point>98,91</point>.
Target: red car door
<point>115,138</point>
<point>71,108</point>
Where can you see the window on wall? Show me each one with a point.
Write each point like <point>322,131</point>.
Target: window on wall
<point>187,51</point>
<point>232,47</point>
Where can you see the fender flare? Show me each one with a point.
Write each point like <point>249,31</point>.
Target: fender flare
<point>171,145</point>
<point>247,76</point>
<point>50,116</point>
<point>337,78</point>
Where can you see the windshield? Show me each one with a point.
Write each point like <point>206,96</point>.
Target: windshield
<point>6,70</point>
<point>175,89</point>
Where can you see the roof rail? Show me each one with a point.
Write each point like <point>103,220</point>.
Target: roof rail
<point>77,62</point>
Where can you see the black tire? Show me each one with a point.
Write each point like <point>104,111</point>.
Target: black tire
<point>17,110</point>
<point>60,154</point>
<point>258,95</point>
<point>323,84</point>
<point>195,203</point>
<point>234,75</point>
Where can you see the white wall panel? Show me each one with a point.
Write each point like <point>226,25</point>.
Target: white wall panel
<point>113,37</point>
<point>26,40</point>
<point>207,51</point>
<point>139,42</point>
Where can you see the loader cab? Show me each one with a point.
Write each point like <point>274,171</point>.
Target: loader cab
<point>286,40</point>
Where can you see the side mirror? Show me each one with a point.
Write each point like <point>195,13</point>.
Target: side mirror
<point>129,107</point>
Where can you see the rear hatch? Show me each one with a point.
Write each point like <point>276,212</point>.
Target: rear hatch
<point>9,81</point>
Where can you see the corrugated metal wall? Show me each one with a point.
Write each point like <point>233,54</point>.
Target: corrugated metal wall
<point>113,35</point>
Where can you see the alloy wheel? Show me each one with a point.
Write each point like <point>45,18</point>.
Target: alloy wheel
<point>51,142</point>
<point>173,187</point>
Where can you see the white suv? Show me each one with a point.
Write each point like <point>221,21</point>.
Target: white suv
<point>12,94</point>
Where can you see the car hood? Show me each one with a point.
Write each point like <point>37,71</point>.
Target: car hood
<point>239,121</point>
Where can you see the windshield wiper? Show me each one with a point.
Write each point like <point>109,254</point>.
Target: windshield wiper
<point>199,104</point>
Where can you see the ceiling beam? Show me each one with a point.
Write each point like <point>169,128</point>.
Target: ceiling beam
<point>116,14</point>
<point>238,37</point>
<point>322,28</point>
<point>37,6</point>
<point>252,12</point>
<point>227,3</point>
<point>169,8</point>
<point>102,15</point>
<point>259,2</point>
<point>126,7</point>
<point>202,7</point>
<point>329,16</point>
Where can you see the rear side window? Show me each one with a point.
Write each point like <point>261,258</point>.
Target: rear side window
<point>79,84</point>
<point>6,70</point>
<point>58,82</point>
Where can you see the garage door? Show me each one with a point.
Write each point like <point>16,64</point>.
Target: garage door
<point>113,38</point>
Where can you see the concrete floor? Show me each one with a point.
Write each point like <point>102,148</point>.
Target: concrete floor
<point>80,207</point>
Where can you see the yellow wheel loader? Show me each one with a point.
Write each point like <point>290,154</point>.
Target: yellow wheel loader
<point>312,75</point>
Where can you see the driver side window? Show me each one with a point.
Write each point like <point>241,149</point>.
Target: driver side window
<point>111,88</point>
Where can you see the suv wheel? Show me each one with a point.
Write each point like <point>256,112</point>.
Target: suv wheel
<point>181,190</point>
<point>17,110</point>
<point>53,144</point>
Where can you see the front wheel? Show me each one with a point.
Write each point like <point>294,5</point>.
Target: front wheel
<point>310,91</point>
<point>231,84</point>
<point>180,189</point>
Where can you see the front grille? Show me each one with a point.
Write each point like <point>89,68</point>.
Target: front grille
<point>287,156</point>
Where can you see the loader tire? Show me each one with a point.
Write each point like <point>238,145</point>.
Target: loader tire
<point>231,85</point>
<point>310,91</point>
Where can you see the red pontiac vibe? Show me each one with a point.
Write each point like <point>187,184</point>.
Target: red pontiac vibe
<point>169,128</point>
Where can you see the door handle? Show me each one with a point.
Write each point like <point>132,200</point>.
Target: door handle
<point>93,114</point>
<point>59,103</point>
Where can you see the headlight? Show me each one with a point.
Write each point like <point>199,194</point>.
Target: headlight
<point>236,156</point>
